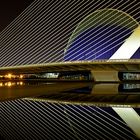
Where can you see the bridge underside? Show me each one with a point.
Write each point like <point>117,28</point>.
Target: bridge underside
<point>102,70</point>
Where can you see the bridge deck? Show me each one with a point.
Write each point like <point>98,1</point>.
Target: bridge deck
<point>97,65</point>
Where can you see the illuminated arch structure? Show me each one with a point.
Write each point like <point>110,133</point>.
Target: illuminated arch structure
<point>100,35</point>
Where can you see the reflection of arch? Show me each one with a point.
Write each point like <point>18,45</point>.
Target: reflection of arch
<point>109,17</point>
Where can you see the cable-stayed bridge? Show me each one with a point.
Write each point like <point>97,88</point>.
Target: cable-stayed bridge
<point>55,36</point>
<point>108,69</point>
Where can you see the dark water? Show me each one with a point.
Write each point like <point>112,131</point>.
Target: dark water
<point>72,91</point>
<point>66,110</point>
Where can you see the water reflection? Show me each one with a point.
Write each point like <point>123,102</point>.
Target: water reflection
<point>20,83</point>
<point>10,84</point>
<point>71,91</point>
<point>127,87</point>
<point>108,88</point>
<point>92,88</point>
<point>13,90</point>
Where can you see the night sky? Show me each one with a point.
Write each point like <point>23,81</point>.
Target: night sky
<point>10,9</point>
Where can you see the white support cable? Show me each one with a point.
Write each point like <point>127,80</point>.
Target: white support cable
<point>110,115</point>
<point>112,121</point>
<point>71,126</point>
<point>102,124</point>
<point>22,15</point>
<point>52,42</point>
<point>93,124</point>
<point>48,105</point>
<point>31,24</point>
<point>15,119</point>
<point>42,57</point>
<point>110,44</point>
<point>13,26</point>
<point>113,37</point>
<point>62,120</point>
<point>23,38</point>
<point>94,44</point>
<point>96,48</point>
<point>112,125</point>
<point>25,11</point>
<point>19,107</point>
<point>131,45</point>
<point>55,50</point>
<point>107,51</point>
<point>54,116</point>
<point>43,15</point>
<point>80,120</point>
<point>27,105</point>
<point>25,22</point>
<point>43,44</point>
<point>7,125</point>
<point>11,133</point>
<point>96,35</point>
<point>97,22</point>
<point>129,23</point>
<point>100,15</point>
<point>56,42</point>
<point>103,34</point>
<point>4,133</point>
<point>33,36</point>
<point>27,119</point>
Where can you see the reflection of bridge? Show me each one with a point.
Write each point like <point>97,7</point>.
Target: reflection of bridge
<point>102,70</point>
<point>99,94</point>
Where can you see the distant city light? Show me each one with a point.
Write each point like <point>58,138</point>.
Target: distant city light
<point>21,83</point>
<point>9,76</point>
<point>1,84</point>
<point>21,76</point>
<point>9,84</point>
